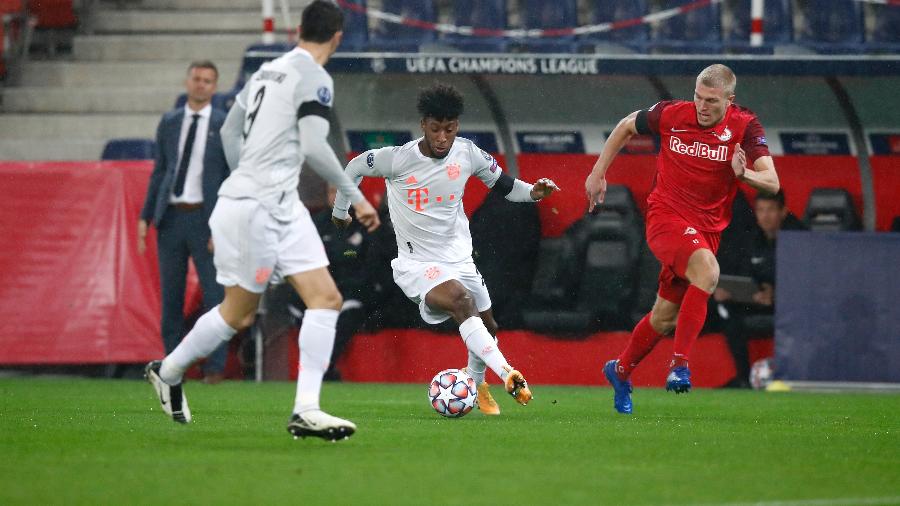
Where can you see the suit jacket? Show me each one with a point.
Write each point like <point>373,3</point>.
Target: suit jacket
<point>215,168</point>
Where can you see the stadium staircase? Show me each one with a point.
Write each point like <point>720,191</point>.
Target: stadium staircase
<point>121,77</point>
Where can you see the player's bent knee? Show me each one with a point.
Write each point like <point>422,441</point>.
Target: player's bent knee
<point>703,270</point>
<point>463,305</point>
<point>331,299</point>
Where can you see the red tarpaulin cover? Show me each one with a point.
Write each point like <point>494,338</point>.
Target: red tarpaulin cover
<point>74,288</point>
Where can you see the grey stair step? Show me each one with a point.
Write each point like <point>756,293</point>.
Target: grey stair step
<point>90,100</point>
<point>55,127</point>
<point>185,21</point>
<point>61,149</point>
<point>107,74</point>
<point>183,48</point>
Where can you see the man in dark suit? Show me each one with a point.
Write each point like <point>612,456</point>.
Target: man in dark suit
<point>190,167</point>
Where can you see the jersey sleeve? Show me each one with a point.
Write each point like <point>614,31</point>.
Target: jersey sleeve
<point>754,141</point>
<point>484,166</point>
<point>372,163</point>
<point>241,98</point>
<point>647,121</point>
<point>314,95</point>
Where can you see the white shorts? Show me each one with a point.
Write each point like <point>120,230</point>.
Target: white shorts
<point>253,249</point>
<point>416,279</point>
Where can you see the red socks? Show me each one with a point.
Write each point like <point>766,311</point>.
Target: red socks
<point>643,339</point>
<point>691,318</point>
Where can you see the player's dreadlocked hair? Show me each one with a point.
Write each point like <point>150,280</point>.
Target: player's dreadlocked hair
<point>440,102</point>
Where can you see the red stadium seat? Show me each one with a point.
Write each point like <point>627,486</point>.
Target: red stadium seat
<point>886,180</point>
<point>800,174</point>
<point>561,210</point>
<point>53,13</point>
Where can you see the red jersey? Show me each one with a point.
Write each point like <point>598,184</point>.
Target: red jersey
<point>694,177</point>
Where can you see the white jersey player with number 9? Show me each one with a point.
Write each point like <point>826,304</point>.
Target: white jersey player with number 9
<point>262,232</point>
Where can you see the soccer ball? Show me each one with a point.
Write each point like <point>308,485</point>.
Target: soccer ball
<point>452,393</point>
<point>761,373</point>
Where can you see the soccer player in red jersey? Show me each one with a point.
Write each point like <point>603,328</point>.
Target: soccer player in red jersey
<point>707,147</point>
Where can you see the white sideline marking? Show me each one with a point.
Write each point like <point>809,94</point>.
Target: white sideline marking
<point>818,502</point>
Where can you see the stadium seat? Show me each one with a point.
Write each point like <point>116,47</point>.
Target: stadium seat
<point>697,31</point>
<point>832,27</point>
<point>129,149</point>
<point>885,34</point>
<point>53,13</point>
<point>356,28</point>
<point>542,15</point>
<point>831,210</point>
<point>402,37</point>
<point>54,19</point>
<point>611,240</point>
<point>778,26</point>
<point>505,238</point>
<point>595,265</point>
<point>479,14</point>
<point>610,11</point>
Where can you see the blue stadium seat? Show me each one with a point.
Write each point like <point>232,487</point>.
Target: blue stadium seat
<point>778,26</point>
<point>356,29</point>
<point>129,149</point>
<point>542,15</point>
<point>832,26</point>
<point>697,31</point>
<point>400,37</point>
<point>885,34</point>
<point>479,14</point>
<point>611,11</point>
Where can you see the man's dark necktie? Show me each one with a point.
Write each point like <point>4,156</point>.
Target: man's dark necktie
<point>186,157</point>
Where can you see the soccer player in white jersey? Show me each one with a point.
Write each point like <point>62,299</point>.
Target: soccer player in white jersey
<point>262,232</point>
<point>425,180</point>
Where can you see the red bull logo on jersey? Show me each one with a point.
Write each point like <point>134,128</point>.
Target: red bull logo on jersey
<point>699,149</point>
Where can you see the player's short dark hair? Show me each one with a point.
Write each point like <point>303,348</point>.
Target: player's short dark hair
<point>203,64</point>
<point>320,21</point>
<point>441,102</point>
<point>778,198</point>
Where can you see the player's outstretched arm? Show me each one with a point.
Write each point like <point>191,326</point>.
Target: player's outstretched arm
<point>372,163</point>
<point>762,177</point>
<point>595,184</point>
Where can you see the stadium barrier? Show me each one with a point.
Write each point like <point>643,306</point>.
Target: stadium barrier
<point>99,299</point>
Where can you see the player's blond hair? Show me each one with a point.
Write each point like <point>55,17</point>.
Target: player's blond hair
<point>718,76</point>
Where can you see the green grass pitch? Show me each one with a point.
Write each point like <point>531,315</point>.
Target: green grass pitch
<point>77,441</point>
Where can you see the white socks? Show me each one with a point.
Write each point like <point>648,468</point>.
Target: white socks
<point>476,368</point>
<point>207,335</point>
<point>480,343</point>
<point>316,342</point>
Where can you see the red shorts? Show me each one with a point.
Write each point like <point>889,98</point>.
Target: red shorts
<point>673,240</point>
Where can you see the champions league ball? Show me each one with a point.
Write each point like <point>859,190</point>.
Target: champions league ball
<point>761,373</point>
<point>452,393</point>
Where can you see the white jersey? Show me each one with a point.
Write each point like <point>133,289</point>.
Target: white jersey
<point>270,158</point>
<point>425,196</point>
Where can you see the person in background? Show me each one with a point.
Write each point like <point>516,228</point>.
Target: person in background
<point>190,166</point>
<point>740,322</point>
